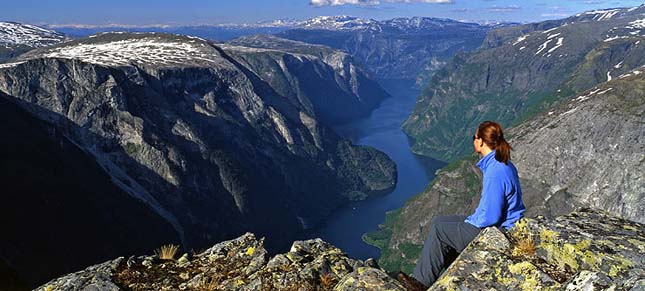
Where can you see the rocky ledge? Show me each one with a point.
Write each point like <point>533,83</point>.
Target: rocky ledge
<point>584,250</point>
<point>239,264</point>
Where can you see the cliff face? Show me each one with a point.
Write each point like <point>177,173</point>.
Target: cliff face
<point>59,206</point>
<point>520,71</point>
<point>325,82</point>
<point>181,126</point>
<point>587,152</point>
<point>584,250</point>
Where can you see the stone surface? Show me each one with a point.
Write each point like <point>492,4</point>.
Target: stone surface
<point>238,264</point>
<point>584,250</point>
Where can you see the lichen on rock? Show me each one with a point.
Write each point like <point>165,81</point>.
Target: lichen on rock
<point>584,250</point>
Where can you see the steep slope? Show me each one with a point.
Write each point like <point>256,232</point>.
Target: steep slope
<point>59,205</point>
<point>399,48</point>
<point>322,80</point>
<point>17,38</point>
<point>205,143</point>
<point>586,152</point>
<point>521,71</point>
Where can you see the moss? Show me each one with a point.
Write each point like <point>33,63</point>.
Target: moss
<point>131,148</point>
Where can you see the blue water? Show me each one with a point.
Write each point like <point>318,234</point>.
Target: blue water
<point>381,130</point>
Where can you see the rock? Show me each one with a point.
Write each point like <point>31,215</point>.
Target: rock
<point>584,250</point>
<point>183,259</point>
<point>486,264</point>
<point>367,279</point>
<point>95,278</point>
<point>589,281</point>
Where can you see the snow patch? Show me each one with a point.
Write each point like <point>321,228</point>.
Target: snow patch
<point>553,35</point>
<point>639,23</point>
<point>557,45</point>
<point>543,46</point>
<point>9,65</point>
<point>520,39</point>
<point>151,50</point>
<point>28,35</point>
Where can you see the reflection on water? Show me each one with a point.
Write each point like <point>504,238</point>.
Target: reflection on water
<point>381,130</point>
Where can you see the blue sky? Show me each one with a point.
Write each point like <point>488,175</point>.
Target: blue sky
<point>138,12</point>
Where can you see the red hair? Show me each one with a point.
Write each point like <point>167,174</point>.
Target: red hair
<point>492,135</point>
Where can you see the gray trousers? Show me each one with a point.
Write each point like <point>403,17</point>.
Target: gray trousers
<point>447,231</point>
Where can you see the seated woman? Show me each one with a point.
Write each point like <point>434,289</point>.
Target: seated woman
<point>500,205</point>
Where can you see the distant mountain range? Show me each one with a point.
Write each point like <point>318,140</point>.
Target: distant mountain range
<point>386,49</point>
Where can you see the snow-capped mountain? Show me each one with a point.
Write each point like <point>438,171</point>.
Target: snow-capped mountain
<point>13,34</point>
<point>16,38</point>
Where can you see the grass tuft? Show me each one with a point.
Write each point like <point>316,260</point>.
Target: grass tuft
<point>167,252</point>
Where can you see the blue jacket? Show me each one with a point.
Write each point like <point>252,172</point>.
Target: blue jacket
<point>501,200</point>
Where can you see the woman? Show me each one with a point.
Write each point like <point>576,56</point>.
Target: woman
<point>500,205</point>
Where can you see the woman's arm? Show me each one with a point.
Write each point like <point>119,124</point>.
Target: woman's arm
<point>491,204</point>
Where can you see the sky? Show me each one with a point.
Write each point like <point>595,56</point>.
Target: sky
<point>187,12</point>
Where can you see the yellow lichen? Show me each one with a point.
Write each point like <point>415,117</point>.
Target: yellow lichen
<point>250,251</point>
<point>448,282</point>
<point>547,235</point>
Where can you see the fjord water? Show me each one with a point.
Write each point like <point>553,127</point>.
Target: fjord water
<point>382,130</point>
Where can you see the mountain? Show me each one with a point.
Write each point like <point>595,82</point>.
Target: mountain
<point>399,48</point>
<point>584,152</point>
<point>61,207</point>
<point>325,81</point>
<point>520,71</point>
<point>16,38</point>
<point>202,141</point>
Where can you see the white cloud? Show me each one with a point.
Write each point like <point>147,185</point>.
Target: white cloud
<point>503,9</point>
<point>371,2</point>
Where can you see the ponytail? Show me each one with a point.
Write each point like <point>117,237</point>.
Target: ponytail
<point>503,151</point>
<point>492,135</point>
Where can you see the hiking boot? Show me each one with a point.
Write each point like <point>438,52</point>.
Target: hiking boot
<point>410,283</point>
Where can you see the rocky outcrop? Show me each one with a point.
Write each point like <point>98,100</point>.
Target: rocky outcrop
<point>238,264</point>
<point>517,76</point>
<point>325,81</point>
<point>399,48</point>
<point>198,138</point>
<point>584,250</point>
